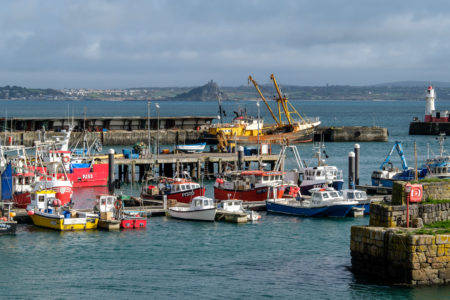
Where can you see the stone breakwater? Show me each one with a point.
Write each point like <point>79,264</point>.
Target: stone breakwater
<point>388,251</point>
<point>395,255</point>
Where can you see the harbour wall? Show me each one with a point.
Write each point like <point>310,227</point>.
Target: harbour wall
<point>117,137</point>
<point>387,251</point>
<point>194,135</point>
<point>352,134</point>
<point>397,255</point>
<point>428,128</point>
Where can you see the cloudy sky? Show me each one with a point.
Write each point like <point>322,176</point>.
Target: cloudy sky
<point>118,44</point>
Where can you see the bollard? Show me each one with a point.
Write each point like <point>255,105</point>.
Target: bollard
<point>351,170</point>
<point>111,171</point>
<point>240,158</point>
<point>357,153</point>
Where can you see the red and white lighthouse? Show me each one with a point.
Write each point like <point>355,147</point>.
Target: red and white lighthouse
<point>430,104</point>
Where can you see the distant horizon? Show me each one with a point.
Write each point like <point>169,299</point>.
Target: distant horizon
<point>400,83</point>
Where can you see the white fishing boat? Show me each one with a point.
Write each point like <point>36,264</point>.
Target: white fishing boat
<point>235,206</point>
<point>201,209</point>
<point>192,148</point>
<point>358,196</point>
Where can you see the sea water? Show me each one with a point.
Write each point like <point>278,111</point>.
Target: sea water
<point>276,257</point>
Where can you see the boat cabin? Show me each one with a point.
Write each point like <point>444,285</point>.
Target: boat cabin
<point>105,203</point>
<point>202,202</point>
<point>320,173</point>
<point>43,200</point>
<point>354,195</point>
<point>231,205</point>
<point>325,195</point>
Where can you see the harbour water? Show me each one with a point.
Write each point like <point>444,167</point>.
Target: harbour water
<point>277,257</point>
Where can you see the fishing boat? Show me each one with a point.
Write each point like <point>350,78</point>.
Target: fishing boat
<point>46,211</point>
<point>359,196</point>
<point>191,148</point>
<point>319,176</point>
<point>180,188</point>
<point>108,216</point>
<point>387,173</point>
<point>244,130</point>
<point>7,224</point>
<point>439,165</point>
<point>250,185</point>
<point>110,208</point>
<point>81,167</point>
<point>235,206</point>
<point>324,202</point>
<point>201,208</point>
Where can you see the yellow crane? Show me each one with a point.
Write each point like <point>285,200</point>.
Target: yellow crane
<point>283,104</point>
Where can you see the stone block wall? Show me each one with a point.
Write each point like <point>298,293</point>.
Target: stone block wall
<point>395,255</point>
<point>385,215</point>
<point>431,190</point>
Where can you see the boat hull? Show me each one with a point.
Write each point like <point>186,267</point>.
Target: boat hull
<point>57,222</point>
<point>133,223</point>
<point>301,136</point>
<point>89,177</point>
<point>256,194</point>
<point>276,207</point>
<point>8,227</point>
<point>338,210</point>
<point>193,215</point>
<point>109,224</point>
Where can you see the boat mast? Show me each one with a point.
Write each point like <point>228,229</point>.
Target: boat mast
<point>250,79</point>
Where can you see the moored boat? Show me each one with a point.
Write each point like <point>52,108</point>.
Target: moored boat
<point>252,185</point>
<point>46,211</point>
<point>325,202</point>
<point>113,216</point>
<point>192,148</point>
<point>182,189</point>
<point>359,196</point>
<point>7,224</point>
<point>235,206</point>
<point>201,209</point>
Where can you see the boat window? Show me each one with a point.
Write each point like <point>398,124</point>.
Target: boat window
<point>334,194</point>
<point>236,203</point>
<point>363,195</point>
<point>325,196</point>
<point>198,202</point>
<point>183,187</point>
<point>110,200</point>
<point>41,198</point>
<point>316,196</point>
<point>350,196</point>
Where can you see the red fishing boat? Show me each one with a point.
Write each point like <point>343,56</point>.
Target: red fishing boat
<point>182,189</point>
<point>250,185</point>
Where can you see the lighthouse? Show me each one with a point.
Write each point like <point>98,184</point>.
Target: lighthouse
<point>430,104</point>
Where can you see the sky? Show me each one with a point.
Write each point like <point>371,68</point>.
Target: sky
<point>145,43</point>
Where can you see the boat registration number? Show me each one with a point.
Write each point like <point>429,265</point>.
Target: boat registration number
<point>87,176</point>
<point>187,194</point>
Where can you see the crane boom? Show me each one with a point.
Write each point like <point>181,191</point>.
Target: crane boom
<point>281,100</point>
<point>264,99</point>
<point>397,146</point>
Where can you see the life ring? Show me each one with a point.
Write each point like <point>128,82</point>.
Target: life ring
<point>66,159</point>
<point>118,204</point>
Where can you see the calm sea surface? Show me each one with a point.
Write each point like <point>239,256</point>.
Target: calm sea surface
<point>278,257</point>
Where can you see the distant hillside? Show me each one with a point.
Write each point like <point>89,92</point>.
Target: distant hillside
<point>17,92</point>
<point>207,92</point>
<point>422,84</point>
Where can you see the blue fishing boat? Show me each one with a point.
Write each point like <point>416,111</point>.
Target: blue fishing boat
<point>324,202</point>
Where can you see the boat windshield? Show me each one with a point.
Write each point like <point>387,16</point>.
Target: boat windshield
<point>334,194</point>
<point>350,195</point>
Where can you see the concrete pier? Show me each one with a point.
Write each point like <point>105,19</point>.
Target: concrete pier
<point>428,128</point>
<point>351,134</point>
